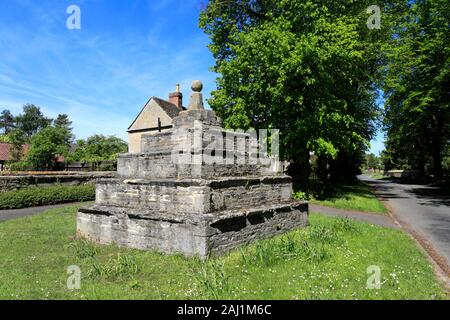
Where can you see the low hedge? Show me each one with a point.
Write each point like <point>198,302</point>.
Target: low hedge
<point>34,196</point>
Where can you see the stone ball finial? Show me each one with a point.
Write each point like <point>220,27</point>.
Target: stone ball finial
<point>197,86</point>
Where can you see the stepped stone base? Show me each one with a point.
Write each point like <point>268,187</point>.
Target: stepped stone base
<point>190,234</point>
<point>196,189</point>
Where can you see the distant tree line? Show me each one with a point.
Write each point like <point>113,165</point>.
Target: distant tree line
<point>372,162</point>
<point>50,139</point>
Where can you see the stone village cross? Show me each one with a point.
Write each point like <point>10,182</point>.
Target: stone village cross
<point>169,198</point>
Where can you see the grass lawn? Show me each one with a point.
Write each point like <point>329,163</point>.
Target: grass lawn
<point>327,260</point>
<point>351,197</point>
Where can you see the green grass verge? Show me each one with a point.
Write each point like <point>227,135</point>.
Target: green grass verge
<point>326,260</point>
<point>379,176</point>
<point>34,196</point>
<point>350,197</point>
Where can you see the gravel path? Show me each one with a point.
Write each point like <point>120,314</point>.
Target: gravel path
<point>372,218</point>
<point>19,213</point>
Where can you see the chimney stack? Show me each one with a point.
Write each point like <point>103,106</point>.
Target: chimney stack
<point>176,97</point>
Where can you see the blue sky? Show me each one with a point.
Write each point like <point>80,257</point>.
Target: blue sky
<point>377,144</point>
<point>101,75</point>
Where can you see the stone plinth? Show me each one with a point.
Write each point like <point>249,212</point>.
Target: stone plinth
<point>191,234</point>
<point>196,189</point>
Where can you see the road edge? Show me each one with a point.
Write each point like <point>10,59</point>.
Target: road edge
<point>440,266</point>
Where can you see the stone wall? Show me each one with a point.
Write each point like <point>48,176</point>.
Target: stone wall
<point>162,166</point>
<point>227,233</point>
<point>193,196</point>
<point>8,183</point>
<point>193,235</point>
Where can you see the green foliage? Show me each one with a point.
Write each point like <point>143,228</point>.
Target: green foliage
<point>7,121</point>
<point>18,139</point>
<point>446,163</point>
<point>323,235</point>
<point>372,162</point>
<point>48,144</point>
<point>304,67</point>
<point>83,249</point>
<point>63,121</point>
<point>5,138</point>
<point>31,120</point>
<point>341,224</point>
<point>264,254</point>
<point>122,265</point>
<point>33,128</point>
<point>21,165</point>
<point>416,82</point>
<point>34,196</point>
<point>98,148</point>
<point>269,253</point>
<point>301,195</point>
<point>212,279</point>
<point>107,166</point>
<point>47,141</point>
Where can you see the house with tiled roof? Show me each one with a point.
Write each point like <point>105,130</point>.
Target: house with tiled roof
<point>156,116</point>
<point>6,153</point>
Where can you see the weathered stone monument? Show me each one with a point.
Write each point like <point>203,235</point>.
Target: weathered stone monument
<point>195,189</point>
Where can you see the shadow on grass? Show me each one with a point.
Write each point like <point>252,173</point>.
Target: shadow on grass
<point>320,190</point>
<point>352,196</point>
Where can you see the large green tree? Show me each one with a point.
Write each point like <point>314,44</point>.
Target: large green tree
<point>416,84</point>
<point>31,120</point>
<point>306,67</point>
<point>98,148</point>
<point>62,120</point>
<point>48,144</point>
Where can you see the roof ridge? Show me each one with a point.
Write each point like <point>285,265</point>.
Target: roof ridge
<point>164,100</point>
<point>172,110</point>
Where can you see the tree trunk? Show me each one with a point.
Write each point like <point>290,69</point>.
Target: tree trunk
<point>437,146</point>
<point>299,168</point>
<point>437,164</point>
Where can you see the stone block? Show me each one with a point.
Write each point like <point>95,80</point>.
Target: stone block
<point>191,235</point>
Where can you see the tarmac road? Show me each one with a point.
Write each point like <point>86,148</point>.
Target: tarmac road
<point>425,209</point>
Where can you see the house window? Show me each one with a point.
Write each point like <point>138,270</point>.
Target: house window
<point>159,124</point>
